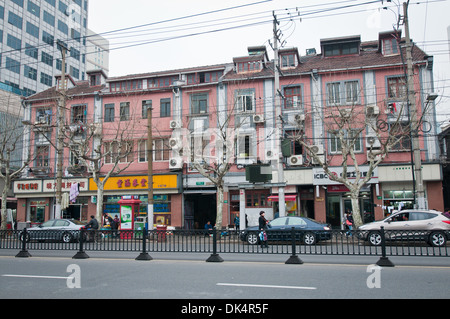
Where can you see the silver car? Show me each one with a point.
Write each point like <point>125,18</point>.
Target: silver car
<point>428,225</point>
<point>65,230</point>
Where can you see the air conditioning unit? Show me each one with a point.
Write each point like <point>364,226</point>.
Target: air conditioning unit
<point>175,124</point>
<point>299,117</point>
<point>175,163</point>
<point>345,113</point>
<point>372,141</point>
<point>97,129</point>
<point>295,160</point>
<point>372,110</point>
<point>174,143</point>
<point>316,162</point>
<point>271,155</point>
<point>258,118</point>
<point>317,149</point>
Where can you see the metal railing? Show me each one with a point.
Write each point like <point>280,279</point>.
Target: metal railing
<point>293,242</point>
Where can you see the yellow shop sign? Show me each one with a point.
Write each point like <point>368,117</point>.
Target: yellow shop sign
<point>137,182</point>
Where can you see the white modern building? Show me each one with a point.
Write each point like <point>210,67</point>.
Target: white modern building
<point>29,31</point>
<point>97,52</point>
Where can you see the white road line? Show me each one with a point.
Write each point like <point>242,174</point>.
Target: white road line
<point>33,276</point>
<point>266,286</point>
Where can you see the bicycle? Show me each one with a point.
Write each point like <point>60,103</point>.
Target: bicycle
<point>93,235</point>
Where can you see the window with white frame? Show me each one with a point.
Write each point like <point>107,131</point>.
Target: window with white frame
<point>199,103</point>
<point>351,136</point>
<point>161,150</point>
<point>114,150</point>
<point>142,151</point>
<point>124,111</point>
<point>245,102</point>
<point>334,93</point>
<point>343,92</point>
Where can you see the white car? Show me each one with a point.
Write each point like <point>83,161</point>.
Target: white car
<point>65,230</point>
<point>428,225</point>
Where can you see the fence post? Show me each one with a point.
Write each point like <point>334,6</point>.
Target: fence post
<point>214,257</point>
<point>24,252</point>
<point>144,255</point>
<point>81,254</point>
<point>293,259</point>
<point>384,261</point>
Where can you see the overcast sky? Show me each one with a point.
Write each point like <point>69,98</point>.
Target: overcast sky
<point>181,33</point>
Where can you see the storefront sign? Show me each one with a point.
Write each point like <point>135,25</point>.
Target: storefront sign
<point>50,184</point>
<point>33,186</point>
<point>137,182</point>
<point>322,178</point>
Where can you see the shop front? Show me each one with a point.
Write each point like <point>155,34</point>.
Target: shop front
<point>36,199</point>
<point>166,197</point>
<point>337,196</point>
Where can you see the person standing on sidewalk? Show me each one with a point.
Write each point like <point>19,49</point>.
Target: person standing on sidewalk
<point>263,222</point>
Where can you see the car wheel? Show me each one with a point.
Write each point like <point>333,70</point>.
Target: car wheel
<point>374,238</point>
<point>437,239</point>
<point>309,239</point>
<point>67,237</point>
<point>252,238</point>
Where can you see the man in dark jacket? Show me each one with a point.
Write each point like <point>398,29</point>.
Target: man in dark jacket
<point>262,221</point>
<point>93,223</point>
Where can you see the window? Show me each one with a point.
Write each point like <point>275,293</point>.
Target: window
<point>257,199</point>
<point>34,9</point>
<point>341,49</point>
<point>12,65</point>
<point>351,92</point>
<point>124,111</point>
<point>352,137</point>
<point>49,18</point>
<point>14,42</point>
<point>46,79</point>
<point>296,146</point>
<point>333,93</point>
<point>30,72</point>
<point>146,105</point>
<point>161,149</point>
<point>78,114</point>
<point>292,97</point>
<point>396,87</point>
<point>244,146</point>
<point>109,112</point>
<point>245,102</point>
<point>44,116</point>
<point>31,51</point>
<point>288,60</point>
<point>48,38</point>
<point>165,108</point>
<point>390,46</point>
<point>15,20</point>
<point>346,92</point>
<point>114,150</point>
<point>47,58</point>
<point>63,27</point>
<point>199,103</point>
<point>32,30</point>
<point>399,134</point>
<point>42,155</point>
<point>142,151</point>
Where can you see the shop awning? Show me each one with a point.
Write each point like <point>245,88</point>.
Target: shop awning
<point>287,198</point>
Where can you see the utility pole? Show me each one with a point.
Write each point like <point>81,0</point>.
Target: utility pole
<point>61,116</point>
<point>413,115</point>
<point>278,120</point>
<point>150,166</point>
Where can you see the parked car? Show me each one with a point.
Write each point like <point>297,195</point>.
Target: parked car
<point>307,230</point>
<point>428,225</point>
<point>65,230</point>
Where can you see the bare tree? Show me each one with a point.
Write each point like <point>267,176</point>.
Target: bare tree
<point>11,139</point>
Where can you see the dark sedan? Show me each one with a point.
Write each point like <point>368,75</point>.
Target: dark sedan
<point>307,230</point>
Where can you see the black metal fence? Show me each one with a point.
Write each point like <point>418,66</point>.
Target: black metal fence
<point>292,242</point>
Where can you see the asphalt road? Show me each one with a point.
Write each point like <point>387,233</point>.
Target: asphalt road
<point>190,279</point>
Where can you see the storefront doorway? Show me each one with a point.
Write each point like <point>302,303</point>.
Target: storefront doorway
<point>339,204</point>
<point>199,209</point>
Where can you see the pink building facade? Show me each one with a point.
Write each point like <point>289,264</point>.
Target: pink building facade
<point>190,108</point>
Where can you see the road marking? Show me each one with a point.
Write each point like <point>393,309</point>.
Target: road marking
<point>33,276</point>
<point>266,286</point>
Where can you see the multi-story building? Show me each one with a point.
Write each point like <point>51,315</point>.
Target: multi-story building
<point>192,106</point>
<point>29,32</point>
